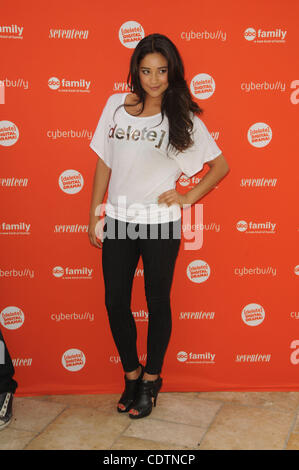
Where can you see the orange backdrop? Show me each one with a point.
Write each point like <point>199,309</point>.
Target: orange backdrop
<point>235,298</point>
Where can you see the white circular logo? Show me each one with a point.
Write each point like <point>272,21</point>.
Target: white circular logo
<point>242,226</point>
<point>130,33</point>
<point>58,271</point>
<point>73,360</point>
<point>12,318</point>
<point>259,134</point>
<point>202,86</point>
<point>198,271</point>
<point>184,180</point>
<point>253,314</point>
<point>9,133</point>
<point>182,356</point>
<point>250,34</point>
<point>53,83</point>
<point>296,269</point>
<point>71,181</point>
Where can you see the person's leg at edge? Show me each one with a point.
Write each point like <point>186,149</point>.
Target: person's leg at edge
<point>7,383</point>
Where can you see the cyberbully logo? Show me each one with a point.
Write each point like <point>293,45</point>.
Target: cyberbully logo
<point>265,36</point>
<point>71,86</point>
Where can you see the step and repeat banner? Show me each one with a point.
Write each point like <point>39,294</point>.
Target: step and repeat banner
<point>235,290</point>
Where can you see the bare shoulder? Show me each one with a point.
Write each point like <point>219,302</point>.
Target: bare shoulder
<point>131,98</point>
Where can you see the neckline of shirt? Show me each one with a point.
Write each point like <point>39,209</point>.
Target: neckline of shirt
<point>136,117</point>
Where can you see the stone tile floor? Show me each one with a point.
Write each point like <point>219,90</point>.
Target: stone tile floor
<point>195,421</point>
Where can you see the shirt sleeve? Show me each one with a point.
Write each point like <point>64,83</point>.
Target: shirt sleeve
<point>203,149</point>
<point>99,141</point>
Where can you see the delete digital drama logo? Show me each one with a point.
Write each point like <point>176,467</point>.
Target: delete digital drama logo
<point>198,271</point>
<point>259,134</point>
<point>12,318</point>
<point>253,314</point>
<point>202,86</point>
<point>9,133</point>
<point>130,33</point>
<point>71,181</point>
<point>73,360</point>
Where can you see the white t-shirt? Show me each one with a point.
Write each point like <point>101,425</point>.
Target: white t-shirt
<point>141,169</point>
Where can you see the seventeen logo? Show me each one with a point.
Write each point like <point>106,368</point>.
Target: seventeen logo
<point>256,357</point>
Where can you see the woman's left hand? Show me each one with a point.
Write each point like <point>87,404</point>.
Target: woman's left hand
<point>172,197</point>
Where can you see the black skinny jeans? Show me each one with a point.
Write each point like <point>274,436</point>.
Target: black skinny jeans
<point>120,255</point>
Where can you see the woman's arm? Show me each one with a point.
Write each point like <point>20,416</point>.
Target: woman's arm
<point>100,184</point>
<point>218,169</point>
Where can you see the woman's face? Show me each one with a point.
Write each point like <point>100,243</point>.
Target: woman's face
<point>153,74</point>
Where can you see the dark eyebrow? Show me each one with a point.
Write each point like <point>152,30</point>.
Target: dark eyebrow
<point>164,67</point>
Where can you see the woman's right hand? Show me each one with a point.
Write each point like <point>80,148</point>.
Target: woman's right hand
<point>95,231</point>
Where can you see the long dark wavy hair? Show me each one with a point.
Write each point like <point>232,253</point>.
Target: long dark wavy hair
<point>177,102</point>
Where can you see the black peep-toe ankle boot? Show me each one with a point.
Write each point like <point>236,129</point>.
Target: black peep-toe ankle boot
<point>129,394</point>
<point>147,390</point>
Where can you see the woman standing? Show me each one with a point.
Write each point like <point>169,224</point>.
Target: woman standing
<point>145,140</point>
